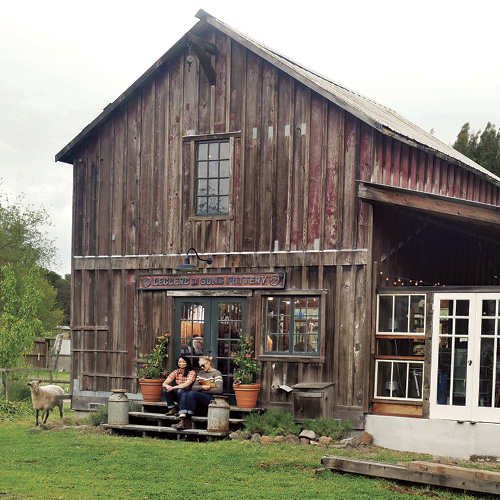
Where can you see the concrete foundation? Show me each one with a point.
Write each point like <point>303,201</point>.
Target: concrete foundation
<point>444,438</point>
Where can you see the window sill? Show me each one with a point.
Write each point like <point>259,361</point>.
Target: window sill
<point>211,217</point>
<point>291,358</point>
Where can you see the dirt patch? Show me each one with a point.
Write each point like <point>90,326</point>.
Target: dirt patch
<point>405,490</point>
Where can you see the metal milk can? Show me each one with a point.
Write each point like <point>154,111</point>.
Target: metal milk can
<point>218,415</point>
<point>118,407</point>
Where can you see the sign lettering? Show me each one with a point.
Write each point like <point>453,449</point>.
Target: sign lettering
<point>211,281</point>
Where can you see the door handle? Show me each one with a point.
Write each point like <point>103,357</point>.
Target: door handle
<point>470,362</point>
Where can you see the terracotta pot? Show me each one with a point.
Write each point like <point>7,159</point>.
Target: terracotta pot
<point>151,389</point>
<point>246,395</point>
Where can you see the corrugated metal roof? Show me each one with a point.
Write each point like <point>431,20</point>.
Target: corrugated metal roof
<point>378,116</point>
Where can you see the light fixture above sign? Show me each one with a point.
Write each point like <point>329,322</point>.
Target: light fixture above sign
<point>187,267</point>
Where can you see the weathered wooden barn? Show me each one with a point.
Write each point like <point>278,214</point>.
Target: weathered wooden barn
<point>359,252</point>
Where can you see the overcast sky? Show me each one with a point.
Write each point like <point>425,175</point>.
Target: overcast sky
<point>437,63</point>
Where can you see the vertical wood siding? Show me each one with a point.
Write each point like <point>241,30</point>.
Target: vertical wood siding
<point>296,164</point>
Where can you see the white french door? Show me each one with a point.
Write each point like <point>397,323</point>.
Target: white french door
<point>465,380</point>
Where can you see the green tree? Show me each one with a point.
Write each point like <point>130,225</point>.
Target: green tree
<point>63,299</point>
<point>19,323</point>
<point>482,146</point>
<point>27,300</point>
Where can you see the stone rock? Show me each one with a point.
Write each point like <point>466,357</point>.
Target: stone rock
<point>325,440</point>
<point>307,434</point>
<point>235,435</point>
<point>266,440</point>
<point>35,430</point>
<point>255,438</point>
<point>292,439</point>
<point>279,439</point>
<point>366,438</point>
<point>351,442</point>
<point>304,441</point>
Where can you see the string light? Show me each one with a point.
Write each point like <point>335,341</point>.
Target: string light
<point>402,281</point>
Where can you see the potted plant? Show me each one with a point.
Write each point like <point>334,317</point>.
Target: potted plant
<point>151,373</point>
<point>245,388</point>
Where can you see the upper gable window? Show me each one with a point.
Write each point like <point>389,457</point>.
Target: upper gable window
<point>212,175</point>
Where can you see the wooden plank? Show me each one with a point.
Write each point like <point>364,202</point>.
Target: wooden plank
<point>475,213</point>
<point>454,470</point>
<point>267,207</point>
<point>401,473</point>
<point>163,430</point>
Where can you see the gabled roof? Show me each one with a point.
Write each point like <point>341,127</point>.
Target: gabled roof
<point>383,119</point>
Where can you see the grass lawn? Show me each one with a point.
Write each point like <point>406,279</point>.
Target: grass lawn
<point>83,464</point>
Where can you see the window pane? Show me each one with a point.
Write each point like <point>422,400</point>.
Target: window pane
<point>201,205</point>
<point>446,308</point>
<point>213,204</point>
<point>224,168</point>
<point>223,205</point>
<point>213,150</point>
<point>415,380</point>
<point>385,313</point>
<point>417,305</point>
<point>202,187</point>
<point>203,151</point>
<point>462,308</point>
<point>489,307</point>
<point>213,187</point>
<point>202,169</point>
<point>461,327</point>
<point>213,170</point>
<point>224,150</point>
<point>488,326</point>
<point>224,187</point>
<point>401,313</point>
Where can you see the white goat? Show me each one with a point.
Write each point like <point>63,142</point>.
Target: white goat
<point>45,398</point>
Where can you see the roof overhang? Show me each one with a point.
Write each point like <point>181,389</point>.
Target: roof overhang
<point>479,217</point>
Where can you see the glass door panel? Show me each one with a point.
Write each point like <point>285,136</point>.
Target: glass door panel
<point>465,383</point>
<point>210,326</point>
<point>192,330</point>
<point>229,326</point>
<point>451,369</point>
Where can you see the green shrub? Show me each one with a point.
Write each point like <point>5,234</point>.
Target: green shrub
<point>98,417</point>
<point>274,422</point>
<point>331,427</point>
<point>19,390</point>
<point>17,410</point>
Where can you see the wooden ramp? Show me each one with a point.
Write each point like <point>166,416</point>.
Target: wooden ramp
<point>445,476</point>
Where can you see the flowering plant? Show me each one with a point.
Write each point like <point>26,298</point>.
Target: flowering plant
<point>152,367</point>
<point>244,360</point>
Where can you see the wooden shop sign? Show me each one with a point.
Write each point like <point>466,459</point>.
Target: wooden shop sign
<point>211,281</point>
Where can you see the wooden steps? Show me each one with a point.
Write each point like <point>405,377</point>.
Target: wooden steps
<point>152,422</point>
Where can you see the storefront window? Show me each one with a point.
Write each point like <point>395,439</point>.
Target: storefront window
<point>292,325</point>
<point>399,363</point>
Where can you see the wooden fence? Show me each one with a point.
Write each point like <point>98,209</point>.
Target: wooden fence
<point>48,378</point>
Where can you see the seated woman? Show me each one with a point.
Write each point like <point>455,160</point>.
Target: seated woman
<point>184,377</point>
<point>208,383</point>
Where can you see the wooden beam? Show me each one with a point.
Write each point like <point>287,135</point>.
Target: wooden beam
<point>202,49</point>
<point>470,212</point>
<point>403,473</point>
<point>209,47</point>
